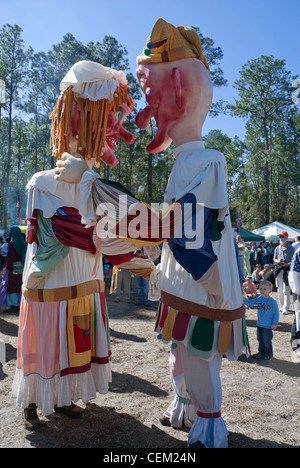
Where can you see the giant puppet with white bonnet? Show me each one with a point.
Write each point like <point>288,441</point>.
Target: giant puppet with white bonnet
<point>64,347</point>
<point>93,98</point>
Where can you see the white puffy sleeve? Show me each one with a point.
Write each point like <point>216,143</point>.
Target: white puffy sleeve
<point>86,205</point>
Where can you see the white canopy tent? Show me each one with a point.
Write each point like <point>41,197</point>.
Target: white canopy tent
<point>271,231</point>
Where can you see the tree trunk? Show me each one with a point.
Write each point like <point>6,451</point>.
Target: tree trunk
<point>8,163</point>
<point>267,174</point>
<point>267,182</point>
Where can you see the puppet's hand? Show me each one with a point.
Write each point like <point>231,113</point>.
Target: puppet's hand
<point>70,168</point>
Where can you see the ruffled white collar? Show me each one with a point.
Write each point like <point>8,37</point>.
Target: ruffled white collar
<point>188,147</point>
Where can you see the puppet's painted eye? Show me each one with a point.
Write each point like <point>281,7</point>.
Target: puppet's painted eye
<point>119,114</point>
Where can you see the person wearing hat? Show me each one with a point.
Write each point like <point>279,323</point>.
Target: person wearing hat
<point>283,255</point>
<point>64,348</point>
<point>201,311</point>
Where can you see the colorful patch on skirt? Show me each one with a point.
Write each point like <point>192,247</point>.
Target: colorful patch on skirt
<point>200,335</point>
<point>84,329</point>
<point>201,339</point>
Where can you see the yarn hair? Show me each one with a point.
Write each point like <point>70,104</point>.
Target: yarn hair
<point>92,122</point>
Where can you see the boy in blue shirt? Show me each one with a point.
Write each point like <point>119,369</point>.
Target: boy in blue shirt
<point>267,319</point>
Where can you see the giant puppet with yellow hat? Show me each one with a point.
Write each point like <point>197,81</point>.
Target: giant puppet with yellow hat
<point>201,310</point>
<point>201,313</point>
<point>64,346</point>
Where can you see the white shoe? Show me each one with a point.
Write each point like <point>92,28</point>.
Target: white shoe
<point>295,357</point>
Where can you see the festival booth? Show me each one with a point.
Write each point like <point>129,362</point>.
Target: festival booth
<point>271,231</point>
<point>249,236</point>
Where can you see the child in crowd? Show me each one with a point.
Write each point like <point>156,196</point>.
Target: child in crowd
<point>255,274</point>
<point>267,319</point>
<point>249,287</point>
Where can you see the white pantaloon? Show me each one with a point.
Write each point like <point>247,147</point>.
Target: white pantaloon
<point>202,384</point>
<point>283,293</point>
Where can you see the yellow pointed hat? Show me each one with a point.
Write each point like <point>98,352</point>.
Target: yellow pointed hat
<point>168,43</point>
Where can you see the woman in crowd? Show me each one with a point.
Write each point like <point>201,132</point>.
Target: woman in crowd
<point>13,267</point>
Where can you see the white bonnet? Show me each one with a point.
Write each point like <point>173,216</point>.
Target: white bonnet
<point>93,81</point>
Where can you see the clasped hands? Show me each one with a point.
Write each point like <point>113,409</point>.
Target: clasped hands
<point>70,168</point>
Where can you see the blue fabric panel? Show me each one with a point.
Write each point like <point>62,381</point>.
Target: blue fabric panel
<point>195,261</point>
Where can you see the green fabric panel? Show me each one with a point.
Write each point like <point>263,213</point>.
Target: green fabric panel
<point>19,242</point>
<point>118,186</point>
<point>216,227</point>
<point>50,251</point>
<point>196,351</point>
<point>203,334</point>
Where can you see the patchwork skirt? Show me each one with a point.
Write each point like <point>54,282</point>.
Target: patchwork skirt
<point>63,347</point>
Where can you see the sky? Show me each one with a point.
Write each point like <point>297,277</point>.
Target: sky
<point>244,29</point>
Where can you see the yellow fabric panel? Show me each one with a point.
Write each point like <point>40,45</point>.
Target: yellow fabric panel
<point>224,336</point>
<point>169,324</point>
<point>141,242</point>
<point>80,314</point>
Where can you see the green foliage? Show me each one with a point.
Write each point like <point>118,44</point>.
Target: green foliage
<point>268,187</point>
<point>263,170</point>
<point>32,88</point>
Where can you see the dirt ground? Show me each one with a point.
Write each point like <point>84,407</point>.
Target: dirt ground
<point>261,403</point>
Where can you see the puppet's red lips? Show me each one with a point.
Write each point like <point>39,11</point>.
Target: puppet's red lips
<point>111,142</point>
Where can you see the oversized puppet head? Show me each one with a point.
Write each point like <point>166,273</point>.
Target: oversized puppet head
<point>90,111</point>
<point>174,77</point>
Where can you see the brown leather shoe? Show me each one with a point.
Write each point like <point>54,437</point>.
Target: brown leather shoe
<point>31,419</point>
<point>73,411</point>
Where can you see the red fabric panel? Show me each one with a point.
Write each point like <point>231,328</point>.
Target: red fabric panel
<point>209,415</point>
<point>70,232</point>
<point>149,226</point>
<point>82,339</point>
<point>118,259</point>
<point>158,316</point>
<point>31,235</point>
<point>180,326</point>
<point>163,316</point>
